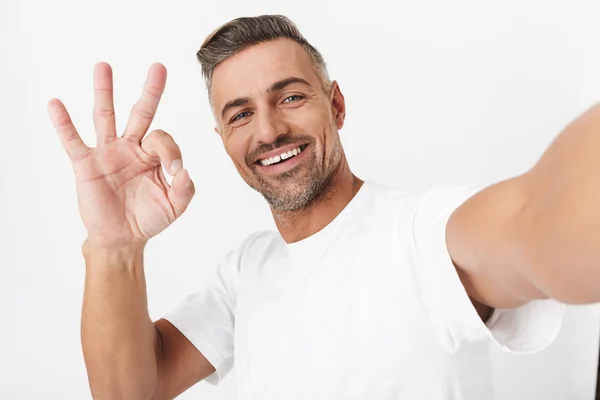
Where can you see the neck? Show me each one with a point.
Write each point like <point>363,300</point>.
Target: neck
<point>300,224</point>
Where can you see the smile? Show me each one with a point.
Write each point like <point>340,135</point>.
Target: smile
<point>279,158</point>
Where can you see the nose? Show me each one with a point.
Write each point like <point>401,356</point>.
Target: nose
<point>270,126</point>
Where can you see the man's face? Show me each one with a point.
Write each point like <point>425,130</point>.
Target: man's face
<point>277,122</point>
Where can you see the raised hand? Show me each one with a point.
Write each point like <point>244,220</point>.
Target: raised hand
<point>123,195</point>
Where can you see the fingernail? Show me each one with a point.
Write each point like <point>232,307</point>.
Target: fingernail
<point>189,182</point>
<point>175,166</point>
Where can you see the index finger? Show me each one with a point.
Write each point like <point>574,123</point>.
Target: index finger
<point>144,109</point>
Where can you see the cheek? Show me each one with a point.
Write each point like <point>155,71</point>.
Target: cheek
<point>315,114</point>
<point>237,149</point>
<point>313,120</point>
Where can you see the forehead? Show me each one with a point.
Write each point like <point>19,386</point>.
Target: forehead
<point>251,71</point>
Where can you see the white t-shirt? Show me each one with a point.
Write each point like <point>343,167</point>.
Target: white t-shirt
<point>370,307</point>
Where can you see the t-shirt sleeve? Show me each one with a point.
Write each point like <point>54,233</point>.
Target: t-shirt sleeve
<point>207,318</point>
<point>525,329</point>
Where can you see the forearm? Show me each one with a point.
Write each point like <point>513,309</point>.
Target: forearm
<point>563,215</point>
<point>120,343</point>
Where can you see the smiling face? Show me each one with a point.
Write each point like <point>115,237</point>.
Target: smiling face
<point>278,124</point>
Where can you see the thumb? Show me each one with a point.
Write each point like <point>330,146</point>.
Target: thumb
<point>181,191</point>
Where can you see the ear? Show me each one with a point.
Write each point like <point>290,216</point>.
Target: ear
<point>338,104</point>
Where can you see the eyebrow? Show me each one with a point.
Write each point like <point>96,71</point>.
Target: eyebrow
<point>279,85</point>
<point>234,103</point>
<point>286,82</point>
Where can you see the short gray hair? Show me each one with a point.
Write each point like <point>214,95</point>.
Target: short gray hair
<point>241,33</point>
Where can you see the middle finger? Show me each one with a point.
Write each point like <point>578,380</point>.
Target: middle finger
<point>144,110</point>
<point>104,109</point>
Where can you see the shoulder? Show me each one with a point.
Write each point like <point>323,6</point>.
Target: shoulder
<point>252,247</point>
<point>430,206</point>
<point>385,198</point>
<point>245,257</point>
<point>260,241</point>
<point>421,205</point>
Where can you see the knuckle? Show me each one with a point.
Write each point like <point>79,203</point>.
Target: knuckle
<point>104,113</point>
<point>163,137</point>
<point>63,122</point>
<point>161,142</point>
<point>159,133</point>
<point>143,113</point>
<point>157,136</point>
<point>153,91</point>
<point>82,156</point>
<point>71,137</point>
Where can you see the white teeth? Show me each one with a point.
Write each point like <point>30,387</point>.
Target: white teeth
<point>283,156</point>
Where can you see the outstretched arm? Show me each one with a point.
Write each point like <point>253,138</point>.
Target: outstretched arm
<point>536,235</point>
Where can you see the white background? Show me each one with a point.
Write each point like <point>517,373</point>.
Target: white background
<point>437,92</point>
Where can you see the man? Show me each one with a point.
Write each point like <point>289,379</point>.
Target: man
<point>365,292</point>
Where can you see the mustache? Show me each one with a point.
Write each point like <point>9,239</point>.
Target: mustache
<point>279,142</point>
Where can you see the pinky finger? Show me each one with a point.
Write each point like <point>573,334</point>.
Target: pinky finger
<point>70,139</point>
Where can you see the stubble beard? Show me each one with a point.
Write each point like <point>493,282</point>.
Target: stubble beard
<point>291,192</point>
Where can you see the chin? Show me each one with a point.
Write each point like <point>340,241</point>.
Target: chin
<point>292,196</point>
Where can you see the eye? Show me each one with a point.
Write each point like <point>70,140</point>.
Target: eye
<point>294,97</point>
<point>239,116</point>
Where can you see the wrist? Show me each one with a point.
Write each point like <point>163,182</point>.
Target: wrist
<point>123,254</point>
